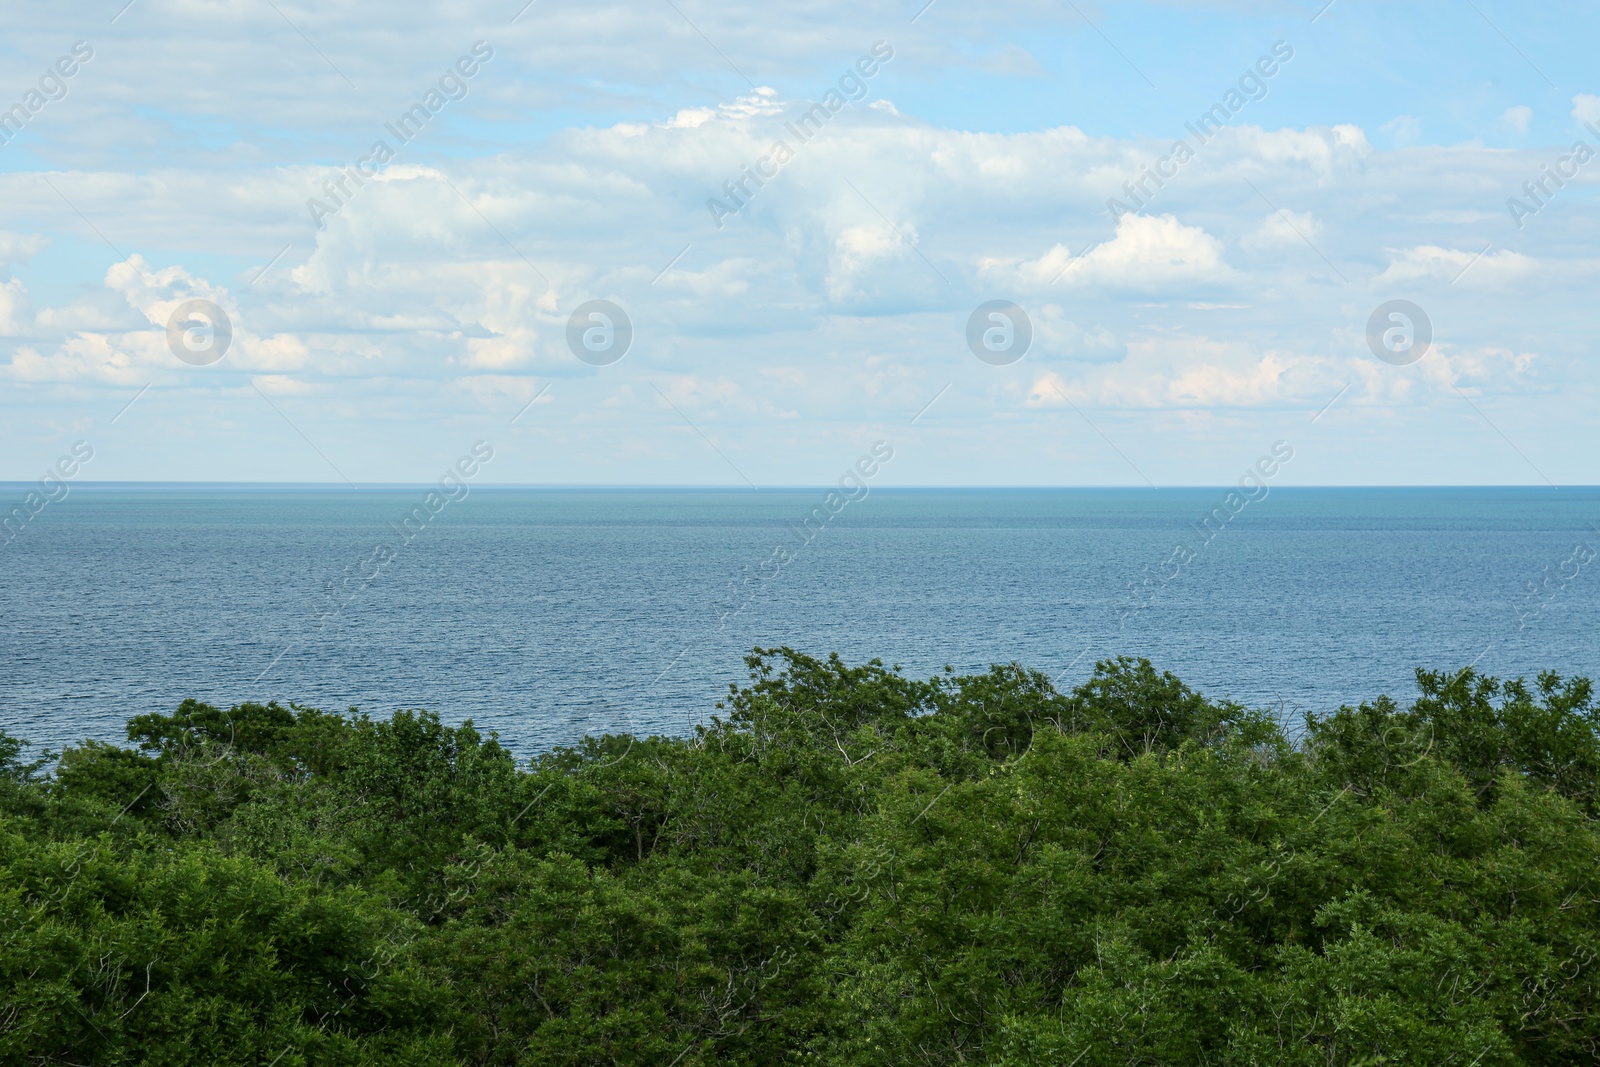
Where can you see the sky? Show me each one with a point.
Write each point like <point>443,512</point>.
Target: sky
<point>267,241</point>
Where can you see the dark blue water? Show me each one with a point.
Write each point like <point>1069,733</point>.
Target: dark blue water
<point>546,614</point>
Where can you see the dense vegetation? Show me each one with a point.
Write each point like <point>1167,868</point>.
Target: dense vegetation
<point>847,866</point>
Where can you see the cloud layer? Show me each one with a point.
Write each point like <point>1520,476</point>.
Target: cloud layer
<point>798,264</point>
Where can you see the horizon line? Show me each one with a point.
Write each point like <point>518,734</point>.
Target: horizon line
<point>734,487</point>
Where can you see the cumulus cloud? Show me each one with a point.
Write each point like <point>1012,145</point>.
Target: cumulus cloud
<point>1057,336</point>
<point>1151,252</point>
<point>280,385</point>
<point>1483,365</point>
<point>468,272</point>
<point>1283,228</point>
<point>1322,150</point>
<point>1214,385</point>
<point>1403,129</point>
<point>16,310</point>
<point>21,247</point>
<point>1049,390</point>
<point>581,166</point>
<point>1450,264</point>
<point>1193,372</point>
<point>84,357</point>
<point>119,353</point>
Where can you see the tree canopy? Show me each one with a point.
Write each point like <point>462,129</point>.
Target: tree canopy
<point>844,865</point>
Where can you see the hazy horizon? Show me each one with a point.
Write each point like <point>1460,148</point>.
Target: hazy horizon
<point>718,487</point>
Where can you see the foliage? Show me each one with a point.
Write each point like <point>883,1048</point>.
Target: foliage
<point>844,866</point>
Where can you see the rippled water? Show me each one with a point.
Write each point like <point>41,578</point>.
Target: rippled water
<point>545,614</point>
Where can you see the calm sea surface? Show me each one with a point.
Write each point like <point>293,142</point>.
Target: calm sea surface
<point>548,614</point>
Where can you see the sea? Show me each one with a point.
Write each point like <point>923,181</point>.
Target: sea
<point>549,614</point>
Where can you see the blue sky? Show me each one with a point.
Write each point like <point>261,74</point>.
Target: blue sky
<point>1171,345</point>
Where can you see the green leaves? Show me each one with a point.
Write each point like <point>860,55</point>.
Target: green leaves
<point>192,957</point>
<point>850,867</point>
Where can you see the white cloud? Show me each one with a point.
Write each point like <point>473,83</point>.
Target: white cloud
<point>1283,228</point>
<point>836,297</point>
<point>91,357</point>
<point>1450,264</point>
<point>511,393</point>
<point>695,391</point>
<point>21,247</point>
<point>280,385</point>
<point>1518,117</point>
<point>1482,368</point>
<point>691,117</point>
<point>1149,252</point>
<point>99,348</point>
<point>16,310</point>
<point>1321,149</point>
<point>1042,271</point>
<point>1181,372</point>
<point>1404,129</point>
<point>857,250</point>
<point>423,275</point>
<point>1049,390</point>
<point>1057,336</point>
<point>1213,385</point>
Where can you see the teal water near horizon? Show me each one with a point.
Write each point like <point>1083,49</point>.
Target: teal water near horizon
<point>548,614</point>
